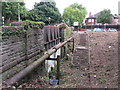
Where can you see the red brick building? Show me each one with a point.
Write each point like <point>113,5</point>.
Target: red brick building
<point>91,20</point>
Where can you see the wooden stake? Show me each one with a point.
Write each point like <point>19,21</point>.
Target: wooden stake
<point>58,69</point>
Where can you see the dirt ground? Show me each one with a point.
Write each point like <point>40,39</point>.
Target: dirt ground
<point>94,67</point>
<point>101,56</point>
<point>104,59</point>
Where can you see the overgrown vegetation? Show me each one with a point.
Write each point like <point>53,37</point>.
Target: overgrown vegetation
<point>27,25</point>
<point>33,24</point>
<point>14,31</point>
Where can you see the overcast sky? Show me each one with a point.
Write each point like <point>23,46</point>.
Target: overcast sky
<point>93,6</point>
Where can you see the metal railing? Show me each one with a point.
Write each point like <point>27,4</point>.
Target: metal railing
<point>13,80</point>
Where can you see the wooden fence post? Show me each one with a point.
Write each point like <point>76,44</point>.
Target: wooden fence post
<point>58,68</point>
<point>73,45</point>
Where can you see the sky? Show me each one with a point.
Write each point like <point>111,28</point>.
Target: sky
<point>93,6</point>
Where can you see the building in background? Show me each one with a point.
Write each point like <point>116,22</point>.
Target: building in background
<point>91,20</point>
<point>115,20</point>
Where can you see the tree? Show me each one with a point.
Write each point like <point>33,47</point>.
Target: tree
<point>105,16</point>
<point>33,15</point>
<point>10,11</point>
<point>46,11</point>
<point>74,13</point>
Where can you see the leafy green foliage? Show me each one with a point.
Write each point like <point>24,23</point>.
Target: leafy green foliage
<point>74,13</point>
<point>15,31</point>
<point>33,24</point>
<point>105,17</point>
<point>27,25</point>
<point>32,15</point>
<point>10,11</point>
<point>46,12</point>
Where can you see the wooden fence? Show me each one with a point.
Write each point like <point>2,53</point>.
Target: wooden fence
<point>22,47</point>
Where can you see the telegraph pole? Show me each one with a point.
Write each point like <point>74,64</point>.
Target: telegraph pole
<point>18,11</point>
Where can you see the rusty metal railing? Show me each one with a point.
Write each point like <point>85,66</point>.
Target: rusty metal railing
<point>35,64</point>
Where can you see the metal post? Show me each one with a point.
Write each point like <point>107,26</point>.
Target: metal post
<point>58,69</point>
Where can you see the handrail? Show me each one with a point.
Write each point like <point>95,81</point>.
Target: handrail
<point>36,63</point>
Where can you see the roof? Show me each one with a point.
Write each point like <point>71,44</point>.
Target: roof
<point>91,17</point>
<point>97,14</point>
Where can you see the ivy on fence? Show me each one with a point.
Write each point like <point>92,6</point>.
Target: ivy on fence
<point>27,25</point>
